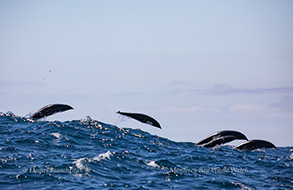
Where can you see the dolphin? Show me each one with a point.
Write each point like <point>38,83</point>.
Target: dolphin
<point>255,144</point>
<point>215,138</point>
<point>142,118</point>
<point>219,141</point>
<point>50,110</point>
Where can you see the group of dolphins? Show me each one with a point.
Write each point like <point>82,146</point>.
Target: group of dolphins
<point>213,140</point>
<point>223,137</point>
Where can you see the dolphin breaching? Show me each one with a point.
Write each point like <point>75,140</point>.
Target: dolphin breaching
<point>142,118</point>
<point>255,144</point>
<point>215,139</point>
<point>50,110</point>
<point>221,137</point>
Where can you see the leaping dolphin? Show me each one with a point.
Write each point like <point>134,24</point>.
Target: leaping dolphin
<point>50,110</point>
<point>255,144</point>
<point>219,141</point>
<point>142,118</point>
<point>221,137</point>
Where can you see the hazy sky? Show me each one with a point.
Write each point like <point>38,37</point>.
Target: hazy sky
<point>196,66</point>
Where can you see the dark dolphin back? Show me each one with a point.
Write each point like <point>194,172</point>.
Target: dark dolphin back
<point>219,134</point>
<point>219,141</point>
<point>236,134</point>
<point>50,110</point>
<point>255,144</point>
<point>208,139</point>
<point>142,118</point>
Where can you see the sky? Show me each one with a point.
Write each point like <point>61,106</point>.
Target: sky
<point>196,66</point>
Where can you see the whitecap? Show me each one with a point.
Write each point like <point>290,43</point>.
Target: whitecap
<point>103,156</point>
<point>86,119</point>
<point>80,163</point>
<point>153,164</point>
<point>57,135</point>
<point>291,156</point>
<point>241,185</point>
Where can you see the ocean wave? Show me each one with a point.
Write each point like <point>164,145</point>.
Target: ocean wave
<point>81,162</point>
<point>87,153</point>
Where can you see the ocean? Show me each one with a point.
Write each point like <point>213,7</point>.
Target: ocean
<point>89,154</point>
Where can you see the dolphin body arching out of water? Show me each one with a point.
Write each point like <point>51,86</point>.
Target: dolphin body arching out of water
<point>142,118</point>
<point>50,110</point>
<point>219,141</point>
<point>221,137</point>
<point>255,144</point>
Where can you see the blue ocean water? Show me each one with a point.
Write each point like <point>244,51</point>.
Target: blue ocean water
<point>89,154</point>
